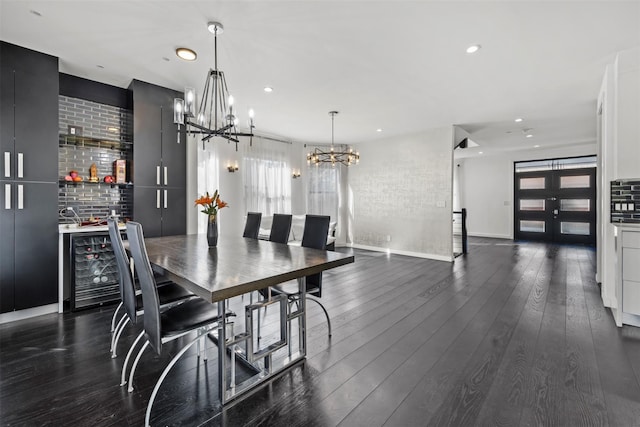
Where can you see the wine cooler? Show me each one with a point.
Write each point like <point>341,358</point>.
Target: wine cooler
<point>93,271</point>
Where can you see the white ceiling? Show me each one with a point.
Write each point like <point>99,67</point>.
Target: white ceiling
<point>396,65</point>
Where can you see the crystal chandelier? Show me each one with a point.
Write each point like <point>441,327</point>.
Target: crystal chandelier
<point>215,114</point>
<point>333,156</point>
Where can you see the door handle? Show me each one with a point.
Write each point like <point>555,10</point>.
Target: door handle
<point>166,179</point>
<point>7,164</point>
<point>165,199</point>
<point>20,165</point>
<point>20,196</point>
<point>7,196</point>
<point>552,198</point>
<point>157,175</point>
<point>157,199</point>
<point>556,211</point>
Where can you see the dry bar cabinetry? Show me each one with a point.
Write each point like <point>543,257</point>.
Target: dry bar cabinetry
<point>159,162</point>
<point>28,178</point>
<point>628,273</point>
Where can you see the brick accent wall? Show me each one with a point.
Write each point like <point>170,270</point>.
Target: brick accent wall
<point>107,133</point>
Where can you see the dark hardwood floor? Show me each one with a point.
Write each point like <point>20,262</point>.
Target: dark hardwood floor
<point>511,334</point>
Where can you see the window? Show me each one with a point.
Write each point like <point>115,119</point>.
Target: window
<point>267,185</point>
<point>324,190</point>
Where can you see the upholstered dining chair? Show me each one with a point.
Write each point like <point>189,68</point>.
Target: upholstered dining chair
<point>169,293</point>
<point>316,228</point>
<point>194,315</point>
<point>252,226</point>
<point>280,228</point>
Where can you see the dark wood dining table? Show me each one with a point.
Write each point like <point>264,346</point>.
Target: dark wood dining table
<point>238,266</point>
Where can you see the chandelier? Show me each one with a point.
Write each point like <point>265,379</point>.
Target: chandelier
<point>333,156</point>
<point>215,115</point>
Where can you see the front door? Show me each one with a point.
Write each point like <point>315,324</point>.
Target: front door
<point>556,205</point>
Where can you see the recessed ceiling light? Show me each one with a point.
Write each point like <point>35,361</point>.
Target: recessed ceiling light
<point>480,152</point>
<point>268,89</point>
<point>35,12</point>
<point>186,54</point>
<point>100,66</point>
<point>379,130</point>
<point>529,135</point>
<point>536,146</point>
<point>518,120</point>
<point>473,48</point>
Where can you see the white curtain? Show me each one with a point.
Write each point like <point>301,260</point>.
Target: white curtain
<point>324,196</point>
<point>208,176</point>
<point>267,177</point>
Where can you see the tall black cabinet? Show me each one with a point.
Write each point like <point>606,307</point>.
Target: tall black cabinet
<point>28,178</point>
<point>159,162</point>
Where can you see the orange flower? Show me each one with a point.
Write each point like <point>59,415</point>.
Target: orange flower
<point>211,204</point>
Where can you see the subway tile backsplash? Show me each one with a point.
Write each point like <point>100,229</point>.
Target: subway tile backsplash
<point>104,124</point>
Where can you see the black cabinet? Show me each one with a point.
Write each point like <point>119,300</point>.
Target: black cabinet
<point>28,178</point>
<point>159,162</point>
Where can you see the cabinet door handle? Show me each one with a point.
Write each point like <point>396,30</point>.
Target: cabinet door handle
<point>157,175</point>
<point>166,179</point>
<point>165,199</point>
<point>20,165</point>
<point>7,164</point>
<point>7,196</point>
<point>157,199</point>
<point>20,196</point>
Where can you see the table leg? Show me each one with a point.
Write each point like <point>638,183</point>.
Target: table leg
<point>222,352</point>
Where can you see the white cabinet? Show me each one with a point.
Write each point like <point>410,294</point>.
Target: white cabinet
<point>628,274</point>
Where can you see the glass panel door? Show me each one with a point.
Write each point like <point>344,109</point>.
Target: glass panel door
<point>555,205</point>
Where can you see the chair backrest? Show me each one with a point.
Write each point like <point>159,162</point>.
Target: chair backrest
<point>150,298</point>
<point>316,229</point>
<point>252,226</point>
<point>127,288</point>
<point>280,228</point>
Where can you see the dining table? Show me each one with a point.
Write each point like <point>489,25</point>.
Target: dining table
<point>239,266</point>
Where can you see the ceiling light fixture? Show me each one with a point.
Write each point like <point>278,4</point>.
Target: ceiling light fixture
<point>186,54</point>
<point>268,89</point>
<point>379,130</point>
<point>529,135</point>
<point>215,115</point>
<point>473,48</point>
<point>518,120</point>
<point>332,156</point>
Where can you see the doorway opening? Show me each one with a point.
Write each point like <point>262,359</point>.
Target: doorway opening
<point>555,200</point>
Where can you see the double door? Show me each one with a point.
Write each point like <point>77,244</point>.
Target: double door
<point>28,178</point>
<point>159,158</point>
<point>556,205</point>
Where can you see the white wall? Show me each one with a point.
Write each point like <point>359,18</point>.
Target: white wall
<point>395,193</point>
<point>486,186</point>
<point>620,153</point>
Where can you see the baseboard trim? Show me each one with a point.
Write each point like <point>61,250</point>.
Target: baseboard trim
<point>490,235</point>
<point>14,316</point>
<point>400,252</point>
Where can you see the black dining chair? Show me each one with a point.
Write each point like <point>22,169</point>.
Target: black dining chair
<point>252,226</point>
<point>168,292</point>
<point>280,228</point>
<point>162,326</point>
<point>316,229</point>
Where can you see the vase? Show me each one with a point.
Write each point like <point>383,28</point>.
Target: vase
<point>212,231</point>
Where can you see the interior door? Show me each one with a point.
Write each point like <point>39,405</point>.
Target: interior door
<point>555,205</point>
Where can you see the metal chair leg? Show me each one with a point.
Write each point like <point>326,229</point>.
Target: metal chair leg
<point>123,381</point>
<point>113,318</point>
<point>114,347</point>
<point>135,365</point>
<point>114,340</point>
<point>162,377</point>
<point>323,309</point>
